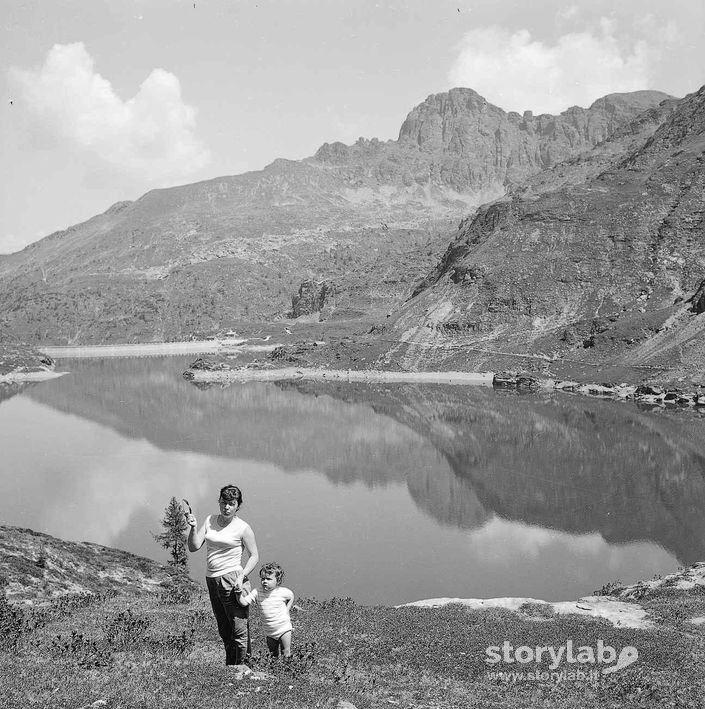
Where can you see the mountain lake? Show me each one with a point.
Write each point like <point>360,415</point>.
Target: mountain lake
<point>385,493</point>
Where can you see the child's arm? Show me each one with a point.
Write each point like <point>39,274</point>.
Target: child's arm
<point>246,599</point>
<point>288,598</point>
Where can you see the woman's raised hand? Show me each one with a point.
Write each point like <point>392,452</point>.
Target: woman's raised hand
<point>188,513</point>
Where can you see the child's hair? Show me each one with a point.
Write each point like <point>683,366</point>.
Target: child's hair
<point>272,566</point>
<point>230,493</point>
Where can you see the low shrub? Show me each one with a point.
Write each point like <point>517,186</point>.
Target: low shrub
<point>85,652</point>
<point>611,588</point>
<point>126,630</point>
<point>172,646</point>
<point>178,590</point>
<point>16,622</point>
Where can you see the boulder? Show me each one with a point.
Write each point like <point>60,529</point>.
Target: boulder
<point>313,297</point>
<point>504,379</point>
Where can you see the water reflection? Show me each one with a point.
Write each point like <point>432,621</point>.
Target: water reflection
<point>572,463</point>
<point>435,490</point>
<point>254,421</point>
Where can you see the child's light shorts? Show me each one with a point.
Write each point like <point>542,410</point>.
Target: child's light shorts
<point>276,633</point>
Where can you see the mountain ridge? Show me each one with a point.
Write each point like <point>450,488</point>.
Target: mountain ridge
<point>199,258</point>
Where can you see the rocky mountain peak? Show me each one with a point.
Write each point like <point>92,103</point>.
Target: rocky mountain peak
<point>475,140</point>
<point>332,153</point>
<point>438,122</point>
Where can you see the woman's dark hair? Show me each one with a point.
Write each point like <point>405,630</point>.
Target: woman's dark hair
<point>230,493</point>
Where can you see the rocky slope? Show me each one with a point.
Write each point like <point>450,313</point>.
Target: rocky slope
<point>371,219</point>
<point>37,567</point>
<point>601,261</point>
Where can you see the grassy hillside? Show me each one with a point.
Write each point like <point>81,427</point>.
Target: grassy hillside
<point>139,648</point>
<point>142,651</point>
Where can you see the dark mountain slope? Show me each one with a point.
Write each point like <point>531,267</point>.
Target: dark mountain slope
<point>599,264</point>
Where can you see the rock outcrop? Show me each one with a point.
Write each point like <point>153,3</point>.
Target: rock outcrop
<point>313,298</point>
<point>23,363</point>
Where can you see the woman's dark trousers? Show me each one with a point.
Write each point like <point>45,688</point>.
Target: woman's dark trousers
<point>233,619</point>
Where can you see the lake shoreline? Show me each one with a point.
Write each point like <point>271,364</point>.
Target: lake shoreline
<point>24,364</point>
<point>143,349</point>
<point>219,371</point>
<point>36,376</point>
<point>349,375</point>
<point>614,603</point>
<point>21,363</point>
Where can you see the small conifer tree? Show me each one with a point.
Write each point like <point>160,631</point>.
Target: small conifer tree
<point>173,538</point>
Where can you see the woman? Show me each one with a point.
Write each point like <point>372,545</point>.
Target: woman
<point>225,536</point>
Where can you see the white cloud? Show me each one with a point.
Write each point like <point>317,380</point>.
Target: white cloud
<point>151,135</point>
<point>501,541</point>
<point>517,73</point>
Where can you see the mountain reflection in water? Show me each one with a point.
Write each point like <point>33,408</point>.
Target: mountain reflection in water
<point>508,486</point>
<point>566,462</point>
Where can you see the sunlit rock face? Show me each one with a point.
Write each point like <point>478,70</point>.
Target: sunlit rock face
<point>477,142</point>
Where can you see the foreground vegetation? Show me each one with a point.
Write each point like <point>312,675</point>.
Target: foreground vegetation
<point>162,650</point>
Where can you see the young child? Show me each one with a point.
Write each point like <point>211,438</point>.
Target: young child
<point>275,602</point>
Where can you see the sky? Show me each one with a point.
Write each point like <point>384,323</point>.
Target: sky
<point>105,100</point>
